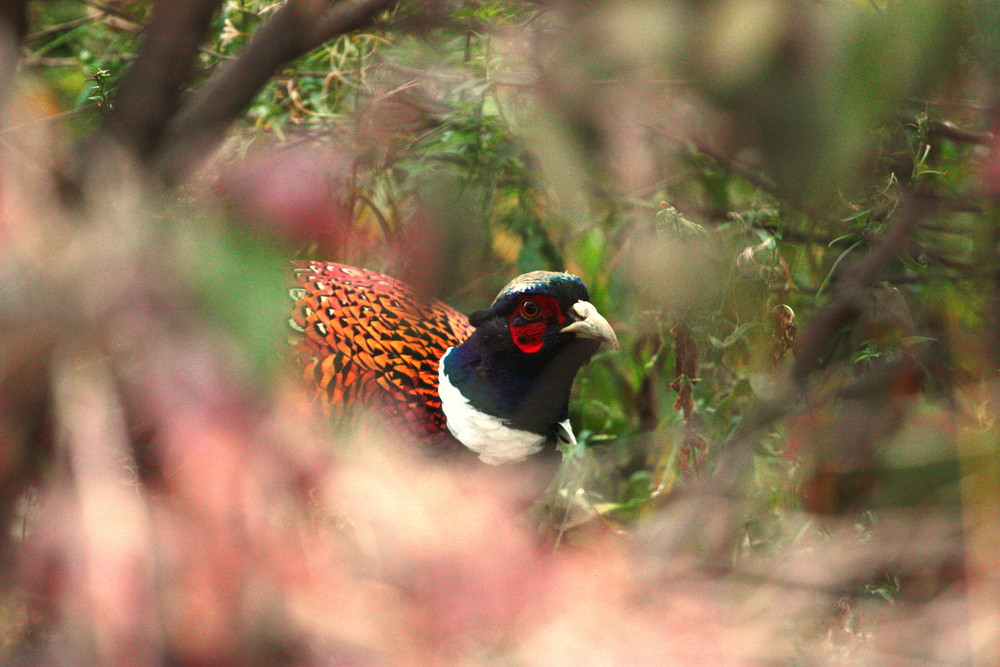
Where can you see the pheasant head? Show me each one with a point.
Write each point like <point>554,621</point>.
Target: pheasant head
<point>505,390</point>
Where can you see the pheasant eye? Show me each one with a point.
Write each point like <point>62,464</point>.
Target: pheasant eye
<point>530,309</point>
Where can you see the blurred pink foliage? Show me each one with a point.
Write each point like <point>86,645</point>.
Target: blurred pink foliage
<point>297,194</point>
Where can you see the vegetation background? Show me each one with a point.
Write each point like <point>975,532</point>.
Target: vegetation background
<point>788,211</point>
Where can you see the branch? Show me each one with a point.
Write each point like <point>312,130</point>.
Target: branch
<point>62,27</point>
<point>13,26</point>
<point>736,455</point>
<point>754,177</point>
<point>14,18</point>
<point>111,10</point>
<point>947,129</point>
<point>849,289</point>
<point>295,29</point>
<point>149,92</point>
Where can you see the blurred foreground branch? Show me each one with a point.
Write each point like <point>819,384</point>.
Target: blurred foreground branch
<point>852,281</point>
<point>296,28</point>
<point>149,92</point>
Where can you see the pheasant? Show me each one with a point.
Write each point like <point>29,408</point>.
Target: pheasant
<point>497,381</point>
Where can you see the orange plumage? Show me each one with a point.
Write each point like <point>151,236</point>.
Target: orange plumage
<point>367,339</point>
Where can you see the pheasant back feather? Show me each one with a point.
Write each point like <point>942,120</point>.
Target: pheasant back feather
<point>367,339</point>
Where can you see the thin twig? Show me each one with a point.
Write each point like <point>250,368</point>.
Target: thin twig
<point>112,10</point>
<point>383,223</point>
<point>949,130</point>
<point>54,118</point>
<point>63,27</point>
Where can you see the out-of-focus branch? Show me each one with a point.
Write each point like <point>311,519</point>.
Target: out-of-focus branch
<point>13,26</point>
<point>63,27</point>
<point>110,10</point>
<point>754,177</point>
<point>949,130</point>
<point>295,29</point>
<point>149,92</point>
<point>853,279</point>
<point>23,420</point>
<point>14,17</point>
<point>846,306</point>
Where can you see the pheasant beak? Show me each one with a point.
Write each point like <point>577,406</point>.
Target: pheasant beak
<point>590,324</point>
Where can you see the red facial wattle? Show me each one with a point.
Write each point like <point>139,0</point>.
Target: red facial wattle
<point>533,314</point>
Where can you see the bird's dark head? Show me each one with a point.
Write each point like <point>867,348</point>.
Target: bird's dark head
<point>505,390</point>
<point>537,314</point>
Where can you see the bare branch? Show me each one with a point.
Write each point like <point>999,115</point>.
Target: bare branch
<point>110,10</point>
<point>949,130</point>
<point>295,29</point>
<point>62,27</point>
<point>14,17</point>
<point>13,25</point>
<point>148,95</point>
<point>849,289</point>
<point>846,306</point>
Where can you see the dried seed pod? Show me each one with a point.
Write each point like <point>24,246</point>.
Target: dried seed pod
<point>785,331</point>
<point>692,454</point>
<point>685,368</point>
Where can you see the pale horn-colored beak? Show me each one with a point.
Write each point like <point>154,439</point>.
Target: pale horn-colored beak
<point>591,324</point>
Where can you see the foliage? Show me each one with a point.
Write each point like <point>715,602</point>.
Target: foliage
<point>788,209</point>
